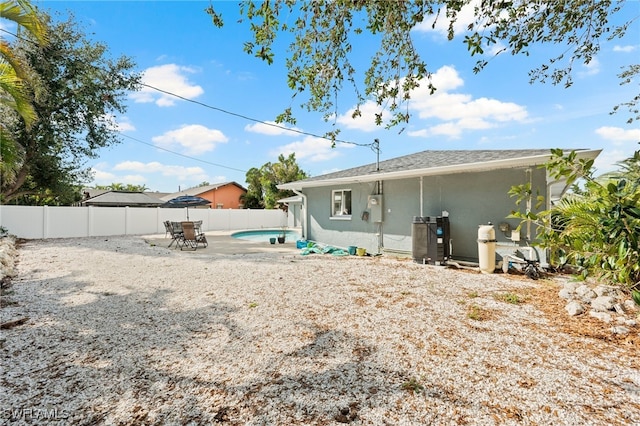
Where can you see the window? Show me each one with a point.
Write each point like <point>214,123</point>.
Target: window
<point>341,203</point>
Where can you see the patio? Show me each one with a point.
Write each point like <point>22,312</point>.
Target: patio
<point>221,243</point>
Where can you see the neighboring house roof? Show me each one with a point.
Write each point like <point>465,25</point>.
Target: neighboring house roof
<point>123,198</point>
<point>92,192</point>
<point>200,190</point>
<point>432,163</point>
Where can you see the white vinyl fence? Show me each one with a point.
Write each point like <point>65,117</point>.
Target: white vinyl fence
<point>66,222</point>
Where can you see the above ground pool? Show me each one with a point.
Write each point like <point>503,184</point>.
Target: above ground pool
<point>265,234</point>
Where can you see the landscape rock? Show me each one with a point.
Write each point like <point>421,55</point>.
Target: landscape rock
<point>570,285</point>
<point>630,306</point>
<point>585,293</point>
<point>619,330</point>
<point>605,290</point>
<point>574,308</point>
<point>627,322</point>
<point>566,293</point>
<point>603,303</point>
<point>602,316</point>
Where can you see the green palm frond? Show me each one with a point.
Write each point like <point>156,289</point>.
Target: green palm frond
<point>25,16</point>
<point>14,95</point>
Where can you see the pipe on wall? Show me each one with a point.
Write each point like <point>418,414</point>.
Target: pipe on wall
<point>421,196</point>
<point>303,216</point>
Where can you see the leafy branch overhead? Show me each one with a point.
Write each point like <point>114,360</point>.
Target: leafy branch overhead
<point>326,34</point>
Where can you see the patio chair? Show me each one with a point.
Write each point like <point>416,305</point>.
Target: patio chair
<point>173,231</point>
<point>190,238</point>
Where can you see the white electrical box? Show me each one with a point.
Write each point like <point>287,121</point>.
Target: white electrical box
<point>374,204</point>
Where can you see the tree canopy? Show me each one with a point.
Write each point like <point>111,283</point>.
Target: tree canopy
<point>325,33</point>
<point>262,190</point>
<point>75,89</point>
<point>129,187</point>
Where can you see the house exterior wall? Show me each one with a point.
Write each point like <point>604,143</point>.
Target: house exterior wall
<point>226,197</point>
<point>471,199</point>
<point>294,215</point>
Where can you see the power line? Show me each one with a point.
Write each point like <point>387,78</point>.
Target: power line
<point>374,146</point>
<point>181,155</point>
<point>255,120</point>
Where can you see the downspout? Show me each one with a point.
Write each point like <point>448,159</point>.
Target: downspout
<point>529,172</point>
<point>304,215</point>
<point>380,231</point>
<point>421,196</point>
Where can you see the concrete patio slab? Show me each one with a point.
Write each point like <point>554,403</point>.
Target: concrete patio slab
<point>221,242</point>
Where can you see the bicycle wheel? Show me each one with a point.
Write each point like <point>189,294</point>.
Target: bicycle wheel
<point>532,272</point>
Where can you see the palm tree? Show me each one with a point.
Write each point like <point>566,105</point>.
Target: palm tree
<point>13,71</point>
<point>13,74</point>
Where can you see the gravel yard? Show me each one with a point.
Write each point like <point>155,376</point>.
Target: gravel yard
<point>120,331</point>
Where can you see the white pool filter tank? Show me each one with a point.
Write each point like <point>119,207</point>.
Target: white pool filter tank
<point>487,248</point>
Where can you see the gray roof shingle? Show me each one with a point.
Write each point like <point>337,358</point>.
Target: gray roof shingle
<point>123,198</point>
<point>432,162</point>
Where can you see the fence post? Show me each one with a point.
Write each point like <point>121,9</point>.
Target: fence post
<point>126,220</point>
<point>89,220</point>
<point>45,221</point>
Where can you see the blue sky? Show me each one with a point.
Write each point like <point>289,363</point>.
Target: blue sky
<point>180,51</point>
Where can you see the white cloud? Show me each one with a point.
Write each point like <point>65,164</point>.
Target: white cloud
<point>366,121</point>
<point>592,68</point>
<point>124,125</point>
<point>459,111</point>
<point>625,49</point>
<point>134,179</point>
<point>271,128</point>
<point>180,173</point>
<point>170,78</point>
<point>456,112</point>
<point>311,149</point>
<point>624,142</point>
<point>618,136</point>
<point>606,161</point>
<point>192,139</point>
<point>139,166</point>
<point>465,17</point>
<point>101,177</point>
<point>444,79</point>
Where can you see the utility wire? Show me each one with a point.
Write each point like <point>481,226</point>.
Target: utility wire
<point>253,119</point>
<point>181,155</point>
<point>374,146</point>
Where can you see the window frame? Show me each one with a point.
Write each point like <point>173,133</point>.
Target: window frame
<point>349,208</point>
